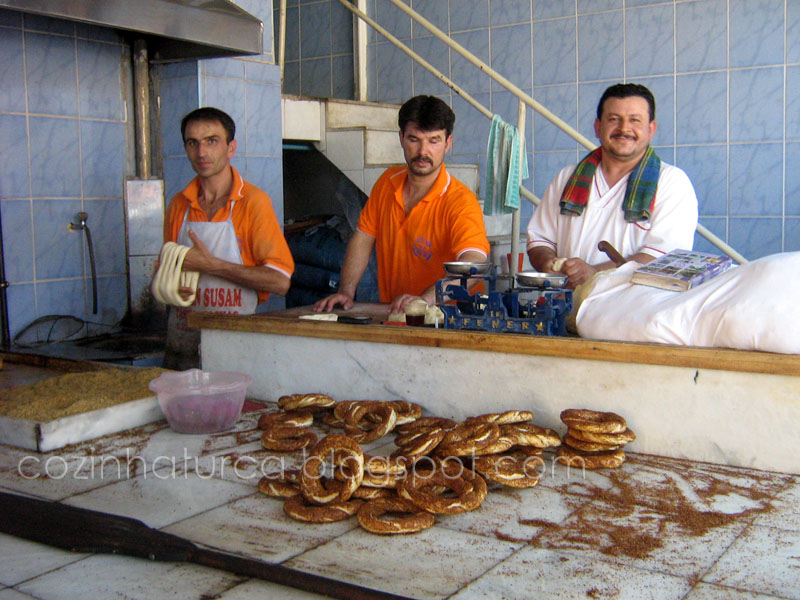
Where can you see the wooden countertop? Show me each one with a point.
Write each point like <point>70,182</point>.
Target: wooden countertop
<point>286,323</point>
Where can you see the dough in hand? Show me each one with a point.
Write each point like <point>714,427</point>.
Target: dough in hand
<point>558,263</point>
<point>433,314</point>
<point>170,277</point>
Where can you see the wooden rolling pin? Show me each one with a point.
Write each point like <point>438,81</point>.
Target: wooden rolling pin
<point>612,253</point>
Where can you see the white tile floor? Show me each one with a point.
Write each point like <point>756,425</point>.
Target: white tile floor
<point>656,528</point>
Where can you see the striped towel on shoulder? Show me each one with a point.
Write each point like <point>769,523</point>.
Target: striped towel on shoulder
<point>640,193</point>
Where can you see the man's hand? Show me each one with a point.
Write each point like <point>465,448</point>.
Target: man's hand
<point>185,292</point>
<point>198,258</point>
<point>578,271</point>
<point>329,303</point>
<point>399,304</point>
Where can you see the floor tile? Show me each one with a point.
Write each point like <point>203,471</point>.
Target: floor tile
<point>514,514</point>
<point>257,527</point>
<point>554,574</point>
<point>785,513</point>
<point>12,594</point>
<point>255,589</point>
<point>161,498</point>
<point>443,560</point>
<point>88,465</point>
<point>129,578</point>
<point>707,591</point>
<point>641,537</point>
<point>572,480</point>
<point>247,463</point>
<point>762,559</point>
<point>23,559</point>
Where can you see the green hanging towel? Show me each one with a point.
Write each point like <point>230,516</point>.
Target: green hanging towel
<point>505,168</point>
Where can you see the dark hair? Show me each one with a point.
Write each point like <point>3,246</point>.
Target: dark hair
<point>429,113</point>
<point>626,90</point>
<point>209,113</point>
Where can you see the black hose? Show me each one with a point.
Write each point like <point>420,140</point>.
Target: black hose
<point>94,271</point>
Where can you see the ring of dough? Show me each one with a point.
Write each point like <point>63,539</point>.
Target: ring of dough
<point>170,277</point>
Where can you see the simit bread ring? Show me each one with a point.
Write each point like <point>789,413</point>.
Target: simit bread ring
<point>312,401</point>
<point>377,465</point>
<point>343,451</point>
<point>528,434</point>
<point>593,421</point>
<point>618,439</point>
<point>470,489</point>
<point>371,493</point>
<point>360,429</point>
<point>294,418</point>
<point>510,416</point>
<point>297,508</point>
<point>418,443</point>
<point>373,516</point>
<point>610,459</point>
<point>468,438</point>
<point>407,412</point>
<point>445,424</point>
<point>287,439</point>
<point>278,488</point>
<point>340,408</point>
<point>582,446</point>
<point>507,470</point>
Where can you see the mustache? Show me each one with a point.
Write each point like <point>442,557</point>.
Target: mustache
<point>422,158</point>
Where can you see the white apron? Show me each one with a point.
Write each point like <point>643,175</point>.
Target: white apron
<point>214,294</point>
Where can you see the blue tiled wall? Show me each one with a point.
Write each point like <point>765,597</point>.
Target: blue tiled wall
<point>725,73</point>
<point>64,149</point>
<point>319,48</point>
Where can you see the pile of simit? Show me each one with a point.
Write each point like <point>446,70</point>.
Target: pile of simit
<point>440,466</point>
<point>594,439</point>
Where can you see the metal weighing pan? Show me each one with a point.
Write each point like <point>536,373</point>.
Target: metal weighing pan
<point>467,268</point>
<point>541,280</point>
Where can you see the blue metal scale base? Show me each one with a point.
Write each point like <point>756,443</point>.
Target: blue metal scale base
<point>535,311</point>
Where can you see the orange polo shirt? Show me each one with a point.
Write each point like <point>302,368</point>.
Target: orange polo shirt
<point>258,233</point>
<point>411,249</point>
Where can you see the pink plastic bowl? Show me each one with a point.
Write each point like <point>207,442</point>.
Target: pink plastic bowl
<point>197,401</point>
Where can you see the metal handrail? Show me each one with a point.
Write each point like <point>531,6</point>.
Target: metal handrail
<point>520,94</point>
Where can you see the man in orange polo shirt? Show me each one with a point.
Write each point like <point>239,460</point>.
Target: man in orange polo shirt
<point>236,243</point>
<point>417,217</point>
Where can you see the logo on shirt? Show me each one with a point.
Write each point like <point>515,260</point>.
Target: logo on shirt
<point>422,248</point>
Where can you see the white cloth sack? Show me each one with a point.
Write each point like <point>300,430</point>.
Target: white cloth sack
<point>751,307</point>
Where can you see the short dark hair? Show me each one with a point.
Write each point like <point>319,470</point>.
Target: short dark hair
<point>209,113</point>
<point>429,113</point>
<point>626,90</point>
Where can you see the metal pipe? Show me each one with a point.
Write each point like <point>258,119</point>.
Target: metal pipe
<point>360,54</point>
<point>282,36</point>
<point>458,90</point>
<point>141,99</point>
<point>441,35</point>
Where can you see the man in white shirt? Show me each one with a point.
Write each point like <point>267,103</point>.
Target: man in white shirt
<point>621,193</point>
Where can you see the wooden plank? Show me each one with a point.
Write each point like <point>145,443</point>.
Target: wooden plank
<point>627,352</point>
